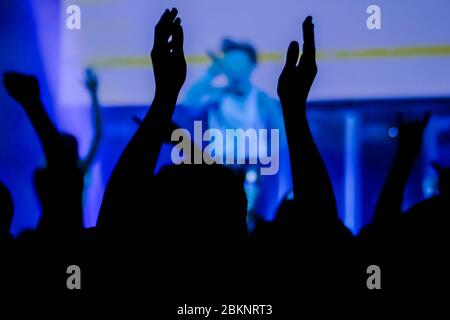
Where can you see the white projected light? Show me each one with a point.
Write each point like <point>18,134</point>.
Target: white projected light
<point>393,51</point>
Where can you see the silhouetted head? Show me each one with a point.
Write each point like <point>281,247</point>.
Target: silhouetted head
<point>59,188</point>
<point>205,203</point>
<point>60,197</point>
<point>238,62</point>
<point>428,221</point>
<point>6,209</point>
<point>444,178</point>
<point>52,187</point>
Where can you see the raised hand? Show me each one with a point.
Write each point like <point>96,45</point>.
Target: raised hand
<point>91,84</point>
<point>22,88</point>
<point>297,76</point>
<point>389,206</point>
<point>168,59</point>
<point>25,90</point>
<point>311,183</point>
<point>410,135</point>
<point>134,170</point>
<point>91,81</point>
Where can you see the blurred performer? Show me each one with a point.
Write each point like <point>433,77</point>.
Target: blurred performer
<point>226,98</point>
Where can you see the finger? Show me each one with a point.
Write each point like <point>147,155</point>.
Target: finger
<point>309,49</point>
<point>165,28</point>
<point>164,17</point>
<point>172,14</point>
<point>178,37</point>
<point>167,19</point>
<point>292,55</point>
<point>171,30</point>
<point>161,28</point>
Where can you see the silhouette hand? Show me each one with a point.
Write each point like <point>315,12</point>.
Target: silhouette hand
<point>297,76</point>
<point>411,134</point>
<point>168,59</point>
<point>22,88</point>
<point>91,81</point>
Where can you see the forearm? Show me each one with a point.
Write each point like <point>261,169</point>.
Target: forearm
<point>97,135</point>
<point>97,123</point>
<point>136,165</point>
<point>312,184</point>
<point>389,205</point>
<point>49,136</point>
<point>139,158</point>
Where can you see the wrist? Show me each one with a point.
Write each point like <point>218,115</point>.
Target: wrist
<point>294,102</point>
<point>93,92</point>
<point>94,98</point>
<point>294,110</point>
<point>32,104</point>
<point>165,96</point>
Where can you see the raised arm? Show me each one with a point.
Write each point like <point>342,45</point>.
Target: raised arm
<point>389,205</point>
<point>138,161</point>
<point>91,84</point>
<point>312,185</point>
<point>25,90</point>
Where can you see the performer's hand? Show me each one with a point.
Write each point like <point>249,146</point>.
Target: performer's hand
<point>168,59</point>
<point>22,88</point>
<point>297,76</point>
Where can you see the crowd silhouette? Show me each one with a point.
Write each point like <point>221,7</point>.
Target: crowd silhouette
<point>182,232</point>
